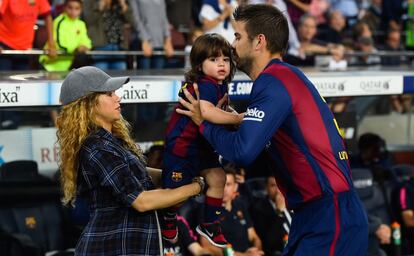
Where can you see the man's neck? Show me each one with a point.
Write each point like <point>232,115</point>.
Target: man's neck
<point>260,63</point>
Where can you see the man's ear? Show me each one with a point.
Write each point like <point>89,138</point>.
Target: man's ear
<point>260,41</point>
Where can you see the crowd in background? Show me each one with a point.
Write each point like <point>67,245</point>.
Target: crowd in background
<point>331,28</point>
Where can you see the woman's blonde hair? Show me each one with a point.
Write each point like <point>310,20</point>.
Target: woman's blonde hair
<point>75,122</point>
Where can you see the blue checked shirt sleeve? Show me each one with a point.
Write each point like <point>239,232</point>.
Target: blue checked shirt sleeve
<point>114,172</point>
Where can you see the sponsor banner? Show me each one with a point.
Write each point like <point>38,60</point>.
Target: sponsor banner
<point>358,86</point>
<point>147,91</point>
<point>47,93</point>
<point>45,150</point>
<point>138,91</point>
<point>15,145</point>
<point>24,94</point>
<point>31,144</point>
<point>238,90</point>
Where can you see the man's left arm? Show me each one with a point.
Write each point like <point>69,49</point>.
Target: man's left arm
<point>269,106</point>
<point>254,238</point>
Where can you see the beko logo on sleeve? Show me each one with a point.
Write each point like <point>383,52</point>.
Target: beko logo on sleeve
<point>254,114</point>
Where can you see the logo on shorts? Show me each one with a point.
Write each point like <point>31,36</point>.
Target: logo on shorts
<point>177,176</point>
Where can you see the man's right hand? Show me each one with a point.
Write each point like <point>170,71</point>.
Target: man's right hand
<point>253,251</point>
<point>146,48</point>
<point>192,105</point>
<point>384,234</point>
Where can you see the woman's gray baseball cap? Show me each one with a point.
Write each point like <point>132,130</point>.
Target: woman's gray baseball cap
<point>85,80</point>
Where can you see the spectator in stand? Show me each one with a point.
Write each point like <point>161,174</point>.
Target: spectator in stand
<point>236,223</point>
<point>366,45</point>
<point>179,14</point>
<point>372,15</point>
<point>106,20</point>
<point>294,44</point>
<point>376,207</point>
<point>316,8</point>
<point>70,36</point>
<point>310,45</point>
<point>17,19</point>
<point>361,29</point>
<point>402,103</point>
<point>271,219</point>
<point>405,208</point>
<point>335,32</point>
<point>373,155</point>
<point>194,34</point>
<point>215,17</point>
<point>153,32</point>
<point>392,11</point>
<point>296,9</point>
<point>392,44</point>
<point>348,8</point>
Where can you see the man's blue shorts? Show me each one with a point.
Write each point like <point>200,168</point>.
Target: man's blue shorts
<point>178,171</point>
<point>335,225</point>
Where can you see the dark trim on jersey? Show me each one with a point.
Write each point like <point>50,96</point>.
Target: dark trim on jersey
<point>58,34</point>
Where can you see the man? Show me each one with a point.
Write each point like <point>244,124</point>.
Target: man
<point>271,219</point>
<point>17,19</point>
<point>287,117</point>
<point>404,201</point>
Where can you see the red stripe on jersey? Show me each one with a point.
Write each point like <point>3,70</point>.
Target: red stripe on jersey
<point>299,168</point>
<point>337,226</point>
<point>175,117</point>
<point>312,126</point>
<point>185,139</point>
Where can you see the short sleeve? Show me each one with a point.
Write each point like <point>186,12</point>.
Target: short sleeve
<point>246,214</point>
<point>113,172</point>
<point>208,92</point>
<point>85,40</point>
<point>207,12</point>
<point>44,7</point>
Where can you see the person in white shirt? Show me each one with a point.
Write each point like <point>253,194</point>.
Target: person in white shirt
<point>215,16</point>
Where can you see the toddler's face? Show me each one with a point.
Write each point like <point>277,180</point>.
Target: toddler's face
<point>73,9</point>
<point>217,67</point>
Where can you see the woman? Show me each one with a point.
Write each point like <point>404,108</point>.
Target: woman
<point>106,21</point>
<point>101,162</point>
<point>153,32</point>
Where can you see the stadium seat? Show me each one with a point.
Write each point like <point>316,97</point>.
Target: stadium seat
<point>31,221</point>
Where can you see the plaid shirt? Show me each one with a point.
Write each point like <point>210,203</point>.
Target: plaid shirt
<point>111,178</point>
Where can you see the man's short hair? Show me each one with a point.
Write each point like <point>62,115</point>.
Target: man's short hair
<point>267,20</point>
